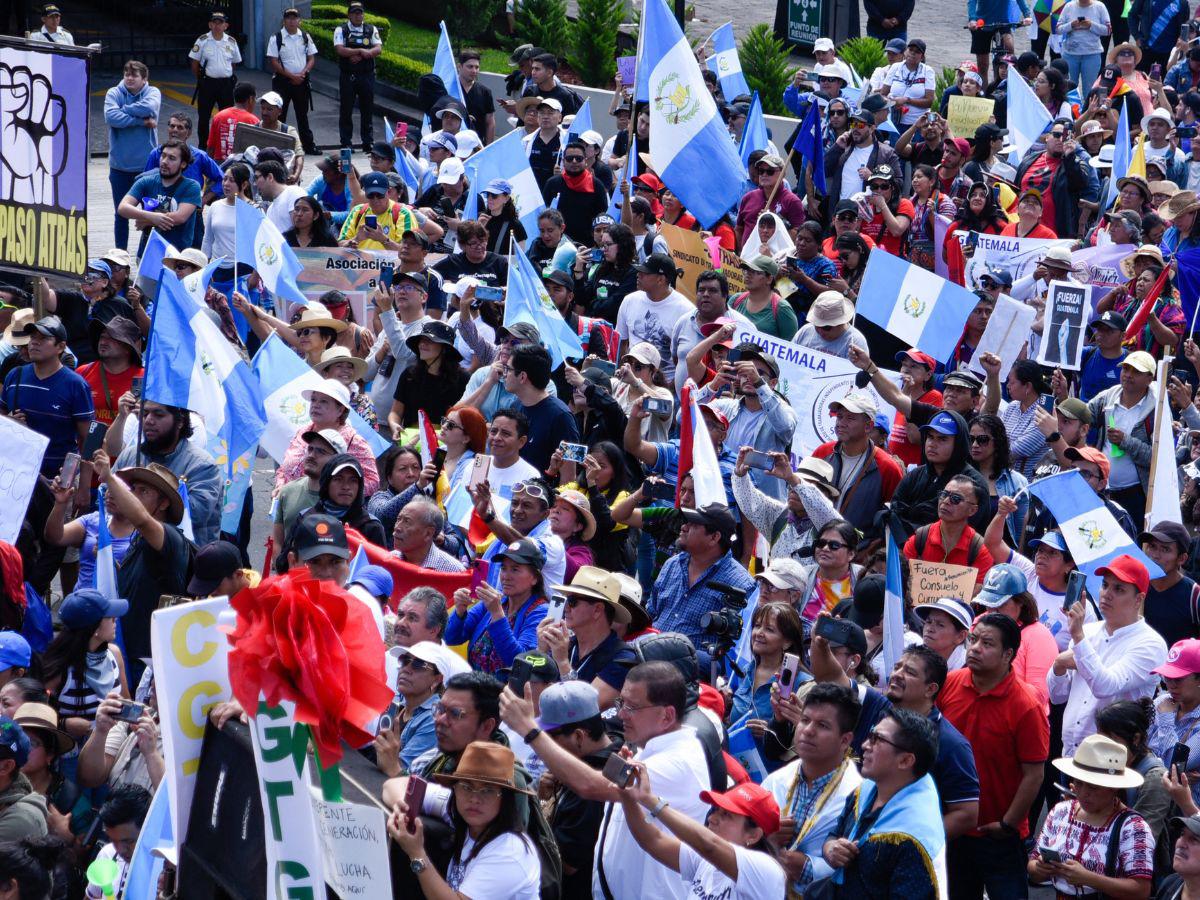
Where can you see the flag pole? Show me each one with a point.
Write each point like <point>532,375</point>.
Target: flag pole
<point>630,163</point>
<point>146,363</point>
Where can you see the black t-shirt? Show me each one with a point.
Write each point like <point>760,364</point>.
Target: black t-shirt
<point>550,423</point>
<point>435,394</point>
<point>480,104</point>
<point>492,270</point>
<point>75,313</point>
<point>1175,612</point>
<point>143,577</point>
<point>543,157</point>
<point>570,100</point>
<point>576,825</point>
<point>577,208</point>
<point>610,662</point>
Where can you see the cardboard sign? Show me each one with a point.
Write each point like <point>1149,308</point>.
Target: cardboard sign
<point>20,465</point>
<point>354,841</point>
<point>1066,311</point>
<point>692,257</point>
<point>965,114</point>
<point>1006,334</point>
<point>931,581</point>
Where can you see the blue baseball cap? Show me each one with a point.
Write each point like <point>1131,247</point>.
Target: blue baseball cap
<point>882,422</point>
<point>14,743</point>
<point>14,650</point>
<point>942,423</point>
<point>1003,581</point>
<point>374,183</point>
<point>85,608</point>
<point>445,141</point>
<point>498,186</point>
<point>376,579</point>
<point>100,265</point>
<point>1053,540</point>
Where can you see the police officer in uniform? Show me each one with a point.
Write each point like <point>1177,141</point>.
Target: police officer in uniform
<point>357,45</point>
<point>213,57</point>
<point>50,32</point>
<point>292,54</point>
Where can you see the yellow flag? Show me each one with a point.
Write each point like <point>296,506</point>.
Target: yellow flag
<point>1008,202</point>
<point>1137,164</point>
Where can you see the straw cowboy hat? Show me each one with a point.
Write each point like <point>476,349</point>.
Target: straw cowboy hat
<point>43,718</point>
<point>13,334</point>
<point>341,354</point>
<point>315,315</point>
<point>1100,761</point>
<point>592,583</point>
<point>1181,203</point>
<point>1137,53</point>
<point>1146,251</point>
<point>162,480</point>
<point>486,763</point>
<point>583,509</point>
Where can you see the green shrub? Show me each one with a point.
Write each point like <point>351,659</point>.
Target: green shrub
<point>543,23</point>
<point>864,55</point>
<point>466,20</point>
<point>765,65</point>
<point>944,79</point>
<point>594,41</point>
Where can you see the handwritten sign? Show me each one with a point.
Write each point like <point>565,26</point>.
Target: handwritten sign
<point>1006,334</point>
<point>19,467</point>
<point>965,114</point>
<point>931,581</point>
<point>354,841</point>
<point>625,69</point>
<point>692,256</point>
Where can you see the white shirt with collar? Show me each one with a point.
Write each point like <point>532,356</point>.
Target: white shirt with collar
<point>1108,667</point>
<point>294,53</point>
<point>678,773</point>
<point>216,57</point>
<point>62,36</point>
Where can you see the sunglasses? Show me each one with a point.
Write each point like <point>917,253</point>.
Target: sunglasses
<point>955,499</point>
<point>846,217</point>
<point>450,425</point>
<point>880,187</point>
<point>876,738</point>
<point>417,665</point>
<point>856,126</point>
<point>839,112</point>
<point>573,159</point>
<point>305,332</point>
<point>532,489</point>
<point>981,439</point>
<point>822,544</point>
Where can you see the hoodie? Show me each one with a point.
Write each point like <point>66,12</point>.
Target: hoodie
<point>916,497</point>
<point>22,811</point>
<point>130,142</point>
<point>354,516</point>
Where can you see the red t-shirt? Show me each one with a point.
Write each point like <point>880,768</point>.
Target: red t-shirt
<point>1006,727</point>
<point>1039,231</point>
<point>958,554</point>
<point>878,231</point>
<point>910,454</point>
<point>220,131</point>
<point>829,248</point>
<point>1040,175</point>
<point>98,380</point>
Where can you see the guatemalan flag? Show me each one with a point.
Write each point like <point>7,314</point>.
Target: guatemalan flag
<point>893,597</point>
<point>754,133</point>
<point>693,154</point>
<point>581,123</point>
<point>1090,530</point>
<point>261,245</point>
<point>526,300</point>
<point>506,158</point>
<point>1027,115</point>
<point>696,453</point>
<point>727,64</point>
<point>106,564</point>
<point>427,440</point>
<point>914,304</point>
<point>445,68</point>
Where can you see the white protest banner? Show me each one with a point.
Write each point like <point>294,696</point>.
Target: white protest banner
<point>294,858</point>
<point>811,380</point>
<point>20,464</point>
<point>1006,334</point>
<point>1066,315</point>
<point>931,581</point>
<point>1099,267</point>
<point>191,675</point>
<point>1019,255</point>
<point>354,842</point>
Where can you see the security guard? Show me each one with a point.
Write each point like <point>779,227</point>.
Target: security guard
<point>50,32</point>
<point>292,54</point>
<point>213,57</point>
<point>357,44</point>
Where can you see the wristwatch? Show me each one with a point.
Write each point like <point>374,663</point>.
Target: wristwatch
<point>418,865</point>
<point>532,735</point>
<point>1054,437</point>
<point>489,518</point>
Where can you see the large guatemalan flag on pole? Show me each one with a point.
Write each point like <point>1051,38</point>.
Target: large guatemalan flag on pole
<point>693,154</point>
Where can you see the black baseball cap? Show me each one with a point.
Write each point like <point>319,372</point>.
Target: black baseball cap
<point>51,326</point>
<point>318,534</point>
<point>1110,319</point>
<point>749,348</point>
<point>657,264</point>
<point>559,277</point>
<point>542,666</point>
<point>420,279</point>
<point>714,516</point>
<point>524,551</point>
<point>383,150</point>
<point>214,563</point>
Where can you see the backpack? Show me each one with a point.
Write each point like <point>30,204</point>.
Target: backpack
<point>739,301</point>
<point>922,538</point>
<point>279,40</point>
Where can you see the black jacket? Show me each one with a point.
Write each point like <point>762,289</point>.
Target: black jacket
<point>916,497</point>
<point>356,516</point>
<point>878,10</point>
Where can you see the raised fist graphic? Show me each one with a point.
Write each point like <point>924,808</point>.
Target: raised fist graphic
<point>31,117</point>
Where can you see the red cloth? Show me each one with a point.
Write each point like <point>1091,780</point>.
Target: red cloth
<point>878,230</point>
<point>957,555</point>
<point>1040,175</point>
<point>1006,727</point>
<point>1039,231</point>
<point>106,403</point>
<point>909,454</point>
<point>829,249</point>
<point>582,182</point>
<point>406,575</point>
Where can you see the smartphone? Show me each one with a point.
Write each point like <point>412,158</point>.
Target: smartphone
<point>833,630</point>
<point>1185,131</point>
<point>439,458</point>
<point>734,355</point>
<point>386,273</point>
<point>1156,72</point>
<point>1185,31</point>
<point>519,675</point>
<point>555,607</point>
<point>95,438</point>
<point>68,476</point>
<point>1179,756</point>
<point>573,452</point>
<point>1047,402</point>
<point>608,368</point>
<point>414,798</point>
<point>489,292</point>
<point>346,154</point>
<point>656,406</point>
<point>135,386</point>
<point>371,220</point>
<point>1049,856</point>
<point>402,130</point>
<point>597,255</point>
<point>479,574</point>
<point>660,490</point>
<point>618,770</point>
<point>481,467</point>
<point>1075,584</point>
<point>131,711</point>
<point>756,459</point>
<point>787,674</point>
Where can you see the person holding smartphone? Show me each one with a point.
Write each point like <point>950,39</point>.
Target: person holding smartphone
<point>1176,723</point>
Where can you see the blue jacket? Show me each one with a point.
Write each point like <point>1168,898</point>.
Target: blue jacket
<point>507,640</point>
<point>129,140</point>
<point>203,170</point>
<point>996,12</point>
<point>1155,23</point>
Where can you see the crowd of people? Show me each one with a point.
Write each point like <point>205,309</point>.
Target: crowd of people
<point>636,693</point>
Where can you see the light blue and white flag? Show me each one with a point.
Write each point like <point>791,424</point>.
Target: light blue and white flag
<point>1088,527</point>
<point>893,599</point>
<point>526,300</point>
<point>692,151</point>
<point>282,377</point>
<point>618,199</point>
<point>145,866</point>
<point>917,306</point>
<point>151,263</point>
<point>727,64</point>
<point>106,564</point>
<point>1027,115</point>
<point>190,364</point>
<point>197,283</point>
<point>1122,154</point>
<point>581,123</point>
<point>185,524</point>
<point>743,748</point>
<point>506,159</point>
<point>445,67</point>
<point>261,245</point>
<point>754,132</point>
<point>359,563</point>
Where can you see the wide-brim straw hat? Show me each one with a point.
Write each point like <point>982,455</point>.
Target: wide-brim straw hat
<point>1137,52</point>
<point>315,315</point>
<point>42,718</point>
<point>1146,251</point>
<point>338,354</point>
<point>1181,203</point>
<point>1100,761</point>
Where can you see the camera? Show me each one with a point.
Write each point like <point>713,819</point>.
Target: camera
<point>725,623</point>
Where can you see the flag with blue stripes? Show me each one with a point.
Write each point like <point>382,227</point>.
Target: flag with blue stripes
<point>727,64</point>
<point>614,207</point>
<point>444,67</point>
<point>151,263</point>
<point>506,158</point>
<point>581,123</point>
<point>913,304</point>
<point>810,145</point>
<point>1027,115</point>
<point>190,364</point>
<point>261,245</point>
<point>893,597</point>
<point>693,154</point>
<point>743,748</point>
<point>145,866</point>
<point>106,565</point>
<point>185,524</point>
<point>1122,154</point>
<point>1188,279</point>
<point>754,132</point>
<point>527,301</point>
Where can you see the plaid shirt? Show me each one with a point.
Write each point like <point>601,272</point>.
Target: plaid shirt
<point>676,605</point>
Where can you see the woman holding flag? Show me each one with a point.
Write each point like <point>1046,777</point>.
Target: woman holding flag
<point>1164,323</point>
<point>84,531</point>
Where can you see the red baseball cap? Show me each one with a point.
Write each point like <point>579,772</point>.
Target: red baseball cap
<point>921,359</point>
<point>715,413</point>
<point>959,144</point>
<point>1183,659</point>
<point>1129,570</point>
<point>750,800</point>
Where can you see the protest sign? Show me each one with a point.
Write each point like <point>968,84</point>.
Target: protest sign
<point>931,581</point>
<point>965,114</point>
<point>294,858</point>
<point>354,841</point>
<point>191,672</point>
<point>19,467</point>
<point>625,69</point>
<point>353,272</point>
<point>811,380</point>
<point>1019,255</point>
<point>1066,314</point>
<point>44,163</point>
<point>693,256</point>
<point>1006,334</point>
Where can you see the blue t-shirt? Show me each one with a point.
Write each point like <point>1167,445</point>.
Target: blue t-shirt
<point>168,199</point>
<point>52,407</point>
<point>550,423</point>
<point>1097,373</point>
<point>203,168</point>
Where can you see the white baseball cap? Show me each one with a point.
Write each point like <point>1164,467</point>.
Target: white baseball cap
<point>450,171</point>
<point>272,98</point>
<point>822,44</point>
<point>468,143</point>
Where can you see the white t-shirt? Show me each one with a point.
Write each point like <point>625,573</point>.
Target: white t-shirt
<point>501,481</point>
<point>280,210</point>
<point>852,183</point>
<point>643,319</point>
<point>759,876</point>
<point>1050,613</point>
<point>507,868</point>
<point>910,84</point>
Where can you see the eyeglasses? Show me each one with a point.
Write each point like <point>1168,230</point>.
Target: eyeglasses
<point>469,790</point>
<point>604,245</point>
<point>824,78</point>
<point>474,243</point>
<point>417,665</point>
<point>822,544</point>
<point>450,425</point>
<point>305,332</point>
<point>876,738</point>
<point>572,159</point>
<point>620,705</point>
<point>980,439</point>
<point>1090,476</point>
<point>573,602</point>
<point>88,279</point>
<point>533,489</point>
<point>452,712</point>
<point>954,498</point>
